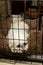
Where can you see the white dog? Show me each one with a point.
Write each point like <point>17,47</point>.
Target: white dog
<point>18,35</point>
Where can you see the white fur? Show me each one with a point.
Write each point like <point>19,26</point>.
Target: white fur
<point>13,34</point>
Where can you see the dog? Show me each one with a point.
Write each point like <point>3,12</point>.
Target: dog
<point>18,34</point>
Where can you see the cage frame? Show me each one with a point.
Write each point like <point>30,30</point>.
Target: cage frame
<point>24,58</point>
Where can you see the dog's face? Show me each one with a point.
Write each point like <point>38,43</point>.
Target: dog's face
<point>18,48</point>
<point>19,35</point>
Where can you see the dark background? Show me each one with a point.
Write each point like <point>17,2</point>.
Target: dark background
<point>17,7</point>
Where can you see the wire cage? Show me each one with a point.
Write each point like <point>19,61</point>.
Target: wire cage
<point>21,30</point>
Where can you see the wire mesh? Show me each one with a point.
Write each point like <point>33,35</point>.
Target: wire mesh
<point>21,37</point>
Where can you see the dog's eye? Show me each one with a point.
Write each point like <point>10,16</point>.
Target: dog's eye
<point>24,44</point>
<point>18,46</point>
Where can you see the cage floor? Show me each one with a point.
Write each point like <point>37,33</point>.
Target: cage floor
<point>15,62</point>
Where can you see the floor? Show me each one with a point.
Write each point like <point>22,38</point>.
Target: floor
<point>15,62</point>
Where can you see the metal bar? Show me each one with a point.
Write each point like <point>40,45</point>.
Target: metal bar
<point>21,58</point>
<point>24,9</point>
<point>6,5</point>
